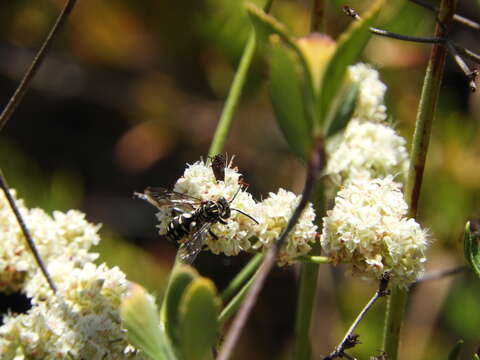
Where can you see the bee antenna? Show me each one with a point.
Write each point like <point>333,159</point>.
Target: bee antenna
<point>234,196</point>
<point>244,213</point>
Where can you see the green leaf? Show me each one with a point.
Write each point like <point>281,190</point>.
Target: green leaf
<point>265,26</point>
<point>471,239</point>
<point>455,352</point>
<point>349,48</point>
<point>476,357</point>
<point>343,112</point>
<point>198,323</point>
<point>140,317</point>
<point>288,99</point>
<point>181,278</point>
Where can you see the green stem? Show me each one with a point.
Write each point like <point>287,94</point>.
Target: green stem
<point>307,288</point>
<point>317,21</point>
<point>426,111</point>
<point>316,259</point>
<point>305,306</point>
<point>242,277</point>
<point>235,303</point>
<point>235,93</point>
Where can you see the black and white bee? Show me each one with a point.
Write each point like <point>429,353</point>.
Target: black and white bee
<point>192,217</point>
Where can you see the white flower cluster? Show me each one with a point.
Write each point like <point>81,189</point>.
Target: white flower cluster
<point>81,321</point>
<point>63,237</point>
<point>241,233</point>
<point>369,231</point>
<point>371,92</point>
<point>369,148</point>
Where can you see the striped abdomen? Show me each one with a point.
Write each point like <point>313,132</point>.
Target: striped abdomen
<point>181,226</point>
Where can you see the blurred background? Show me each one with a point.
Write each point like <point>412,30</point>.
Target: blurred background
<point>132,91</point>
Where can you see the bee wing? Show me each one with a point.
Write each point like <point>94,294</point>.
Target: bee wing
<point>189,250</point>
<point>162,197</point>
<point>219,163</point>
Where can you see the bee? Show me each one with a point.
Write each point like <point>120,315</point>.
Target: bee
<point>219,163</point>
<point>192,217</point>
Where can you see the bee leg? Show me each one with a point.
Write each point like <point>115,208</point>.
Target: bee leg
<point>177,211</point>
<point>212,234</point>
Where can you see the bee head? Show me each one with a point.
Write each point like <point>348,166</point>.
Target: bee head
<point>224,208</point>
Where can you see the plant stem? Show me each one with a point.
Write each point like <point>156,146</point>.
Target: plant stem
<point>349,340</point>
<point>242,277</point>
<point>235,303</point>
<point>317,21</point>
<point>305,306</point>
<point>316,259</point>
<point>308,287</point>
<point>426,111</point>
<point>235,93</point>
<point>316,164</point>
<point>35,65</point>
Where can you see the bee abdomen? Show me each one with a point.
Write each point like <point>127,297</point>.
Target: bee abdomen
<point>179,227</point>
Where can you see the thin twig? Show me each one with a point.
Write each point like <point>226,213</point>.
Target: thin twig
<point>467,53</point>
<point>35,66</point>
<point>470,74</point>
<point>26,233</point>
<point>349,11</point>
<point>350,340</point>
<point>440,274</point>
<point>458,18</point>
<point>417,39</point>
<point>453,48</point>
<point>315,165</point>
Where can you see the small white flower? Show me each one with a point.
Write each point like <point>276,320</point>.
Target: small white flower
<point>368,150</point>
<point>370,101</point>
<point>274,213</point>
<point>65,235</point>
<point>82,321</point>
<point>241,233</point>
<point>199,181</point>
<point>368,230</point>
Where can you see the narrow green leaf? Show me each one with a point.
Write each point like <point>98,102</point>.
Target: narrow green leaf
<point>182,276</point>
<point>286,92</point>
<point>198,323</point>
<point>471,240</point>
<point>140,317</point>
<point>342,112</point>
<point>349,48</point>
<point>476,357</point>
<point>265,26</point>
<point>455,352</point>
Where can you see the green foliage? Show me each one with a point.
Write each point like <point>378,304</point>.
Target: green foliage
<point>342,112</point>
<point>287,94</point>
<point>180,279</point>
<point>307,76</point>
<point>140,317</point>
<point>349,48</point>
<point>455,352</point>
<point>471,238</point>
<point>187,328</point>
<point>197,319</point>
